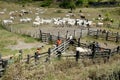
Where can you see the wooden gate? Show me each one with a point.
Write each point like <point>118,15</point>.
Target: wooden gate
<point>45,37</point>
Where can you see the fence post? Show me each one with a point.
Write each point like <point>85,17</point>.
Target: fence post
<point>28,59</point>
<point>48,37</point>
<point>97,34</point>
<point>64,46</point>
<point>49,53</point>
<point>58,35</point>
<point>117,37</point>
<point>59,55</point>
<point>36,57</point>
<point>107,35</point>
<point>109,53</point>
<point>78,42</point>
<point>1,68</point>
<point>4,64</point>
<point>88,31</point>
<point>118,49</point>
<point>66,34</point>
<point>77,56</point>
<point>40,35</point>
<point>81,33</point>
<point>93,50</point>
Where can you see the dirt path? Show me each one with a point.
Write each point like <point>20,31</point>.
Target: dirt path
<point>23,45</point>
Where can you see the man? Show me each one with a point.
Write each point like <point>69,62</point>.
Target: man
<point>10,61</point>
<point>36,55</point>
<point>58,42</point>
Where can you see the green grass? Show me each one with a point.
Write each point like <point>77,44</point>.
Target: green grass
<point>8,38</point>
<point>66,69</point>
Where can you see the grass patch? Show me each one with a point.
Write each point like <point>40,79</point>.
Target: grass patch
<point>8,38</point>
<point>28,39</point>
<point>66,69</point>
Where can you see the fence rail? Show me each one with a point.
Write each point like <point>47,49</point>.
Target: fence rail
<point>96,51</point>
<point>108,36</point>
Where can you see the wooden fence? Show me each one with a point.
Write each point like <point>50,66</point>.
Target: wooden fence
<point>47,37</point>
<point>96,51</point>
<point>108,36</point>
<point>37,33</point>
<point>55,50</point>
<point>3,65</point>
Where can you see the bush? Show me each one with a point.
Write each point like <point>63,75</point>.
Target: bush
<point>106,19</point>
<point>64,5</point>
<point>80,11</point>
<point>79,2</point>
<point>46,3</point>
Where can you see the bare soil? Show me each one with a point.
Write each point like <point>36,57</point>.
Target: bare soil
<point>23,45</point>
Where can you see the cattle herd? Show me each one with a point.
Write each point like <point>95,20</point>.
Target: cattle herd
<point>21,17</point>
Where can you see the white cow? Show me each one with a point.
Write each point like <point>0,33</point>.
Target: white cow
<point>2,13</point>
<point>7,22</point>
<point>12,18</point>
<point>25,20</point>
<point>36,24</point>
<point>99,24</point>
<point>83,50</point>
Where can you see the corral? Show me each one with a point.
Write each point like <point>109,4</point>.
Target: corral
<point>46,25</point>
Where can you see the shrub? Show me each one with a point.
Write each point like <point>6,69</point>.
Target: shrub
<point>68,4</point>
<point>46,3</point>
<point>79,2</point>
<point>64,5</point>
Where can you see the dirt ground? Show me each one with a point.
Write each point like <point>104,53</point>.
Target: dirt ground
<point>53,30</point>
<point>23,45</point>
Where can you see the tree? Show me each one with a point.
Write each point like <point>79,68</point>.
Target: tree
<point>68,4</point>
<point>72,5</point>
<point>92,0</point>
<point>46,3</point>
<point>23,2</point>
<point>79,2</point>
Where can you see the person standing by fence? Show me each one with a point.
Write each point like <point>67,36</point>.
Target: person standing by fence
<point>58,42</point>
<point>36,55</point>
<point>10,61</point>
<point>71,39</point>
<point>18,56</point>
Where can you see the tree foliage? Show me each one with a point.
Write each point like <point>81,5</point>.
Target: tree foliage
<point>46,3</point>
<point>79,2</point>
<point>71,3</point>
<point>68,4</point>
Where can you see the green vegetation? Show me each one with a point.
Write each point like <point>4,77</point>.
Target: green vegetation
<point>46,3</point>
<point>66,69</point>
<point>8,38</point>
<point>70,3</point>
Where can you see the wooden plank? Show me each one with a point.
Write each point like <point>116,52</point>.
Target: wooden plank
<point>2,69</point>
